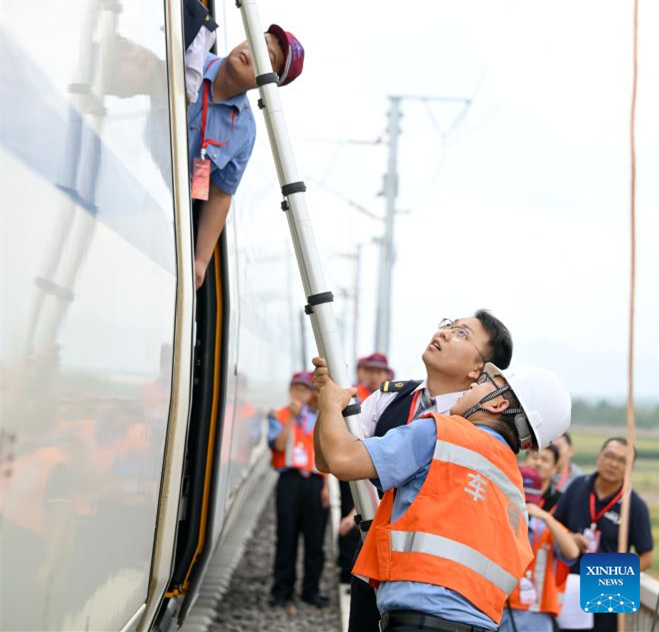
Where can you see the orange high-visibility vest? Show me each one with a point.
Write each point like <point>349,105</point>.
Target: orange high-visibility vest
<point>299,452</point>
<point>544,577</point>
<point>466,529</point>
<point>362,392</point>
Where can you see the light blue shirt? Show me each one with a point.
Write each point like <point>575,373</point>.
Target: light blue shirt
<point>229,122</point>
<point>402,460</point>
<point>306,420</point>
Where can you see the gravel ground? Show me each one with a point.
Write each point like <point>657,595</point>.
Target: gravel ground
<point>244,607</point>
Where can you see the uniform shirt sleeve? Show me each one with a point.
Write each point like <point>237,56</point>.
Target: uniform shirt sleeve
<point>402,452</point>
<point>274,429</point>
<point>228,178</point>
<point>640,528</point>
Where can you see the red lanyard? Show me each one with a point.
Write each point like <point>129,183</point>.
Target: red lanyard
<point>415,399</point>
<point>594,517</point>
<point>204,115</point>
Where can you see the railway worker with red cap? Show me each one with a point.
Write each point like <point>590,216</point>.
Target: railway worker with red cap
<point>221,131</point>
<point>302,495</point>
<point>372,371</point>
<point>449,541</point>
<point>454,358</point>
<point>536,600</point>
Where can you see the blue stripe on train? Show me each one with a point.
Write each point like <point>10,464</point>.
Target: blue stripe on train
<point>43,130</point>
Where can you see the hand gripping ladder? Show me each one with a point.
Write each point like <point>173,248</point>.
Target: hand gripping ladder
<point>319,300</point>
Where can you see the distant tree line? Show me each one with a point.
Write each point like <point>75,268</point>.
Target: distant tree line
<point>605,413</point>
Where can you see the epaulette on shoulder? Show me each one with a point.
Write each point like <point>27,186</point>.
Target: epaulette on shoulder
<point>394,387</point>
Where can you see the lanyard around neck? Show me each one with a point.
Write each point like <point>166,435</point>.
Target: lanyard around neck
<point>594,517</point>
<point>204,116</point>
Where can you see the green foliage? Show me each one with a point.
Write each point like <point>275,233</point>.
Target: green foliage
<point>605,413</point>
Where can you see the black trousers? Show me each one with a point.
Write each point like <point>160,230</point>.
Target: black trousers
<point>348,543</point>
<point>364,613</point>
<point>299,510</point>
<point>603,622</point>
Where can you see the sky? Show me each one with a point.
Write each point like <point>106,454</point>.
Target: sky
<point>522,207</point>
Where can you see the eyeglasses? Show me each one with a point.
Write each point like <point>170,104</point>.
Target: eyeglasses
<point>485,377</point>
<point>620,461</point>
<point>459,333</point>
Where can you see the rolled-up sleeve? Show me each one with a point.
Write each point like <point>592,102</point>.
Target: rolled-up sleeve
<point>399,455</point>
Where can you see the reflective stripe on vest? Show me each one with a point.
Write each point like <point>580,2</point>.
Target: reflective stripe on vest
<point>290,446</point>
<point>458,455</point>
<point>438,546</point>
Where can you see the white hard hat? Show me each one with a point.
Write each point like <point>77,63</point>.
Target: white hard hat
<point>545,399</point>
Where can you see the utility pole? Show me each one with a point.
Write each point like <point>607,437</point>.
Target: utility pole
<point>355,303</point>
<point>390,191</point>
<point>387,253</point>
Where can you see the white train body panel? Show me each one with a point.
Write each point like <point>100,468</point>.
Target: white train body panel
<point>91,275</point>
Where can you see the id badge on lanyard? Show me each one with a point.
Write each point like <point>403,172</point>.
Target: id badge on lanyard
<point>201,178</point>
<point>528,594</point>
<point>592,534</point>
<point>300,456</point>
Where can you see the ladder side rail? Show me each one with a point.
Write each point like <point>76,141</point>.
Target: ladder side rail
<point>324,324</point>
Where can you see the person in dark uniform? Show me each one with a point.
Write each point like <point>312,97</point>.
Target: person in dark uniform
<point>454,359</point>
<point>372,371</point>
<point>590,508</point>
<point>302,495</point>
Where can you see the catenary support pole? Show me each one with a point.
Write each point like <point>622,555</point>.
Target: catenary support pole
<point>387,253</point>
<point>319,299</point>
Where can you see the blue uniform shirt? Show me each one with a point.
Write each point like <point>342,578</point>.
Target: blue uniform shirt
<point>402,460</point>
<point>230,122</point>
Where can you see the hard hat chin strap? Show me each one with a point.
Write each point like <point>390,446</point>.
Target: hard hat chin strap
<point>522,428</point>
<point>494,394</point>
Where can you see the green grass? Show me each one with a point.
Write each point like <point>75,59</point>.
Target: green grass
<point>587,441</point>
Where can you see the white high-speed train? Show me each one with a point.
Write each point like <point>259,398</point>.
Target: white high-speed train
<point>133,411</point>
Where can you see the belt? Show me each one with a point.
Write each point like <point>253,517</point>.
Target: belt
<point>414,619</point>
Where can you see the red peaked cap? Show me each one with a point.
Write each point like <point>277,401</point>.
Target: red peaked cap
<point>303,377</point>
<point>293,54</point>
<point>532,484</point>
<point>374,361</point>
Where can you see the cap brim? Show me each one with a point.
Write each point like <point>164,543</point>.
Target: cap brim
<point>282,38</point>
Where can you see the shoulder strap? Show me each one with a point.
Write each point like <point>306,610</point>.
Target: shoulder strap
<point>397,412</point>
<point>398,386</point>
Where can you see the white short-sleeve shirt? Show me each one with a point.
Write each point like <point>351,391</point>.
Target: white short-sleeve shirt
<point>376,403</point>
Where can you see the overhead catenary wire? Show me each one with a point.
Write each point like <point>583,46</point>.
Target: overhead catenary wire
<point>623,534</point>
